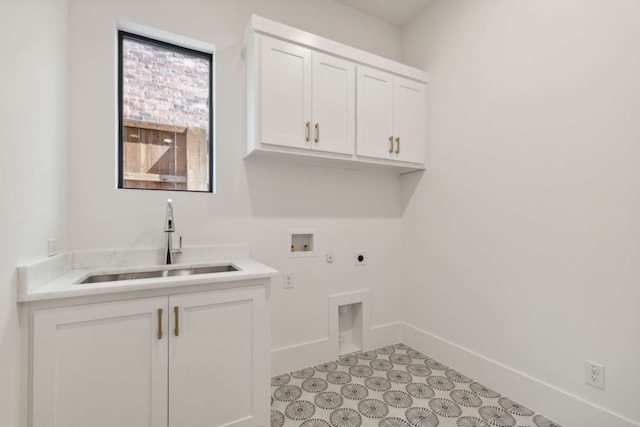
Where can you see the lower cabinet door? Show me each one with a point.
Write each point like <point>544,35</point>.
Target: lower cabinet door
<point>101,365</point>
<point>218,359</point>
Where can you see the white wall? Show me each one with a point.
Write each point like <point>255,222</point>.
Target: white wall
<point>33,162</point>
<point>523,240</point>
<point>256,202</point>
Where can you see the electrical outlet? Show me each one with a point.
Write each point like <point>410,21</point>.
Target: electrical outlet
<point>287,280</point>
<point>52,247</point>
<point>594,374</point>
<point>360,258</point>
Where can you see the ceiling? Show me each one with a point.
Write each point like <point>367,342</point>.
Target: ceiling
<point>396,12</point>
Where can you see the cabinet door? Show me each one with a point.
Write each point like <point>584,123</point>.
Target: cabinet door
<point>286,93</point>
<point>375,113</point>
<point>101,365</point>
<point>410,118</point>
<point>334,104</point>
<point>218,359</point>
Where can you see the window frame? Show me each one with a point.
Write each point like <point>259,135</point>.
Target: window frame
<point>125,34</point>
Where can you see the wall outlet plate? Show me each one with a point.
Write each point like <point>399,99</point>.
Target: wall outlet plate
<point>287,280</point>
<point>52,247</point>
<point>594,374</point>
<point>360,258</point>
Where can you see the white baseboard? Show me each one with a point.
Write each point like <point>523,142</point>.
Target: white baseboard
<point>385,334</point>
<point>561,406</point>
<point>287,359</point>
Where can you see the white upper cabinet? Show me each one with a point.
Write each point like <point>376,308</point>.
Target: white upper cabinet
<point>334,104</point>
<point>409,120</point>
<point>375,114</point>
<point>313,98</point>
<point>286,94</point>
<point>308,99</point>
<point>391,116</point>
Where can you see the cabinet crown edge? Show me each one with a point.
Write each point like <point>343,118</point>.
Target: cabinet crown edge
<point>260,25</point>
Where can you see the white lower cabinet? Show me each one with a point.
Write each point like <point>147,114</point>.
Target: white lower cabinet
<point>100,365</point>
<point>217,359</point>
<point>185,360</point>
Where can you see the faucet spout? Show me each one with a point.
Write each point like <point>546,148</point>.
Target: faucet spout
<point>169,228</point>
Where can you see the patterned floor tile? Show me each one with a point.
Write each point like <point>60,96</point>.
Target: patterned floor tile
<point>392,386</point>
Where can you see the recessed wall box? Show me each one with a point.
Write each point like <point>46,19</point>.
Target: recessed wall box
<point>349,322</point>
<point>302,243</point>
<point>349,328</point>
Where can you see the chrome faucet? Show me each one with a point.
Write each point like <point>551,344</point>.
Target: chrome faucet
<point>169,228</point>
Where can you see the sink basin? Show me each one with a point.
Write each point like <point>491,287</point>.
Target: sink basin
<point>157,273</point>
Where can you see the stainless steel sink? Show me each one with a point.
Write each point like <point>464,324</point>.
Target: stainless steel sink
<point>157,273</point>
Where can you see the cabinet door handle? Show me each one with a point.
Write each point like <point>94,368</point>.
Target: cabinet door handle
<point>176,313</point>
<point>398,145</point>
<point>159,323</point>
<point>391,145</point>
<point>308,132</point>
<point>317,132</point>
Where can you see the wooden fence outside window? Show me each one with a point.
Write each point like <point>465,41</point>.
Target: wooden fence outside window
<point>166,157</point>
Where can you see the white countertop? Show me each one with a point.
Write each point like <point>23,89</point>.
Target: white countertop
<point>63,282</point>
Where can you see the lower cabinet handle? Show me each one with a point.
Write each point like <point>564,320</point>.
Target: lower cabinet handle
<point>398,146</point>
<point>308,131</point>
<point>391,145</point>
<point>176,313</point>
<point>159,323</point>
<point>317,132</point>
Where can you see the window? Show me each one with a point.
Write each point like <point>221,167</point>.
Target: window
<point>165,115</point>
